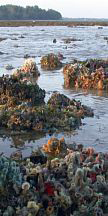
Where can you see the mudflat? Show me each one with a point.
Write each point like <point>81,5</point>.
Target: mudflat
<point>50,23</point>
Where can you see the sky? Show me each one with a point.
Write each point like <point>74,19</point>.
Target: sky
<point>68,8</point>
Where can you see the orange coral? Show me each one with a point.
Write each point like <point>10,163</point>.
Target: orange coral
<point>54,145</point>
<point>100,85</point>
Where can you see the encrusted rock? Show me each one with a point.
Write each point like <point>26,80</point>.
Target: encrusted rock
<point>28,70</point>
<point>60,185</point>
<point>51,62</point>
<point>86,75</point>
<point>14,92</point>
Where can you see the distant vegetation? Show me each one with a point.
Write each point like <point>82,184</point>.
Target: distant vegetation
<point>13,12</point>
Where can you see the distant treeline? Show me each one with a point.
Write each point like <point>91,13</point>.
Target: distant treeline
<point>13,12</point>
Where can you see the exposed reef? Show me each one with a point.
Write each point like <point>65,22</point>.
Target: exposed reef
<point>28,70</point>
<point>22,107</point>
<point>51,62</point>
<point>89,74</point>
<point>55,180</point>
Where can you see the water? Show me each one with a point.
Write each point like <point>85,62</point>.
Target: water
<point>37,42</point>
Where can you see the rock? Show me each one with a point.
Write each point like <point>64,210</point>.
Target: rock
<point>2,53</point>
<point>54,40</point>
<point>21,36</point>
<point>2,39</point>
<point>19,92</point>
<point>58,100</point>
<point>16,46</point>
<point>100,27</point>
<point>106,38</point>
<point>28,70</point>
<point>23,108</point>
<point>69,40</point>
<point>26,56</point>
<point>86,75</point>
<point>9,67</point>
<point>50,62</point>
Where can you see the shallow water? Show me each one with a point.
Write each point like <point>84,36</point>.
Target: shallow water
<point>37,42</point>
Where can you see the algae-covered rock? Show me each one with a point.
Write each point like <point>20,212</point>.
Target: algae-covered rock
<point>60,113</point>
<point>14,92</point>
<point>58,100</point>
<point>65,104</point>
<point>92,73</point>
<point>51,62</point>
<point>28,70</point>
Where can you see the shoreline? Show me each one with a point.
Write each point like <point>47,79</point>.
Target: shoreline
<point>50,23</point>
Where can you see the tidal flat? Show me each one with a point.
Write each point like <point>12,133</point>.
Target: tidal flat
<point>85,42</point>
<point>10,23</point>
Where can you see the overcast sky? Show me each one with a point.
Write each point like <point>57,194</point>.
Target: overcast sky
<point>68,8</point>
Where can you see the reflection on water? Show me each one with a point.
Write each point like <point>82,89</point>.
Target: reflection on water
<point>24,142</point>
<point>93,131</point>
